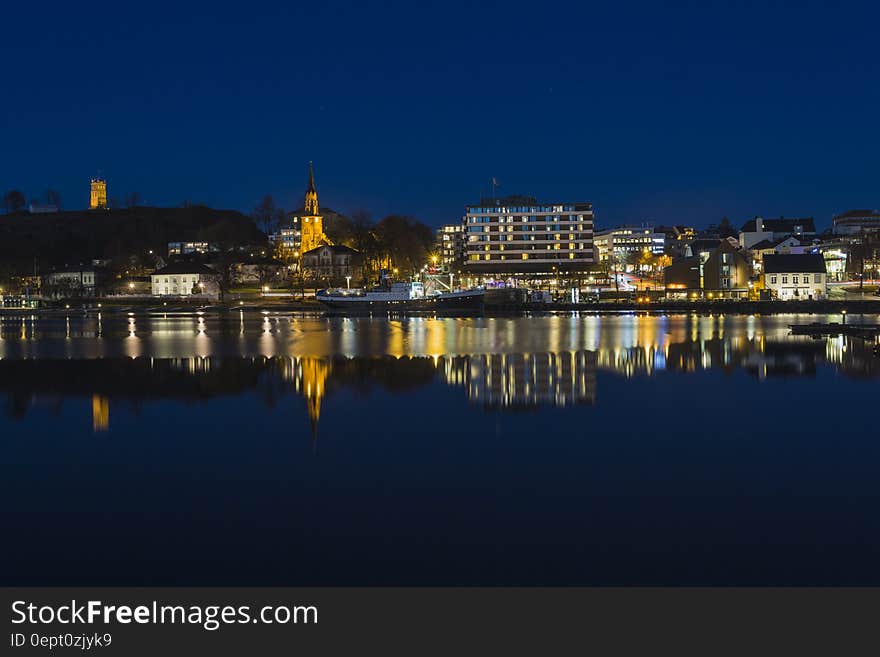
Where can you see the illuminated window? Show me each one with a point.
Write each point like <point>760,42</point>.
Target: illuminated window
<point>525,256</point>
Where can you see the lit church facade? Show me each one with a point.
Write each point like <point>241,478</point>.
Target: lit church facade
<point>306,230</point>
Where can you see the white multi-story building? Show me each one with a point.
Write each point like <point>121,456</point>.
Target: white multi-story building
<point>795,276</point>
<point>518,235</point>
<point>185,279</point>
<point>624,241</point>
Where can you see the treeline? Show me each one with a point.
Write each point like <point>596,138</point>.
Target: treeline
<point>43,242</point>
<point>400,241</point>
<point>404,242</point>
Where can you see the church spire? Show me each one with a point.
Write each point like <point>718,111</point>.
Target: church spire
<point>311,204</point>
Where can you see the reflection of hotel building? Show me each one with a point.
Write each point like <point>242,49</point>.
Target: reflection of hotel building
<point>517,236</point>
<point>503,380</point>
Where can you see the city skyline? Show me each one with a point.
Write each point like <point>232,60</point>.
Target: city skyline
<point>649,114</point>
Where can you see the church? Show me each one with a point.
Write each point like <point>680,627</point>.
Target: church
<point>309,220</point>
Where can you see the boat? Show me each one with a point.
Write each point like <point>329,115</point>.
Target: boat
<point>401,297</point>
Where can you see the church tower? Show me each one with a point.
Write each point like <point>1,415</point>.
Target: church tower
<point>311,222</point>
<point>98,195</point>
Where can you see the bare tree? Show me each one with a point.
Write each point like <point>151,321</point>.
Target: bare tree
<point>13,200</point>
<point>265,214</point>
<point>53,197</point>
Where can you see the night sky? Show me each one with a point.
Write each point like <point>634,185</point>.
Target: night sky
<point>664,112</point>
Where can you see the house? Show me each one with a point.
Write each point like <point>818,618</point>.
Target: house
<point>333,263</point>
<point>70,283</point>
<point>795,276</point>
<point>185,279</point>
<point>722,272</point>
<point>759,229</point>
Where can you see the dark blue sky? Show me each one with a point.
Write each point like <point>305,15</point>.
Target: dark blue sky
<point>670,112</point>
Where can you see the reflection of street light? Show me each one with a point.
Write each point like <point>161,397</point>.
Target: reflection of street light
<point>348,282</point>
<point>843,312</point>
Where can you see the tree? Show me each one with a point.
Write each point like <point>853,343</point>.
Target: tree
<point>726,229</point>
<point>13,201</point>
<point>266,214</point>
<point>405,240</point>
<point>53,197</point>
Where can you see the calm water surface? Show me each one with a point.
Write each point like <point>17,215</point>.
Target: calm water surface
<point>250,448</point>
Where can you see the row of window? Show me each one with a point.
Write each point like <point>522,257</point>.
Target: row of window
<point>526,218</point>
<point>525,256</point>
<point>795,279</point>
<point>527,209</point>
<point>556,246</point>
<point>530,238</point>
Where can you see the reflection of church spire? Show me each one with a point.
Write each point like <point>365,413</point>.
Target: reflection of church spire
<point>314,376</point>
<point>100,413</point>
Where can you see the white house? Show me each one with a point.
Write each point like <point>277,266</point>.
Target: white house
<point>760,229</point>
<point>70,283</point>
<point>185,279</point>
<point>798,276</point>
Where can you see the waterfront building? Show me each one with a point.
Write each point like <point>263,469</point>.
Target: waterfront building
<point>626,243</point>
<point>721,273</point>
<point>517,235</point>
<point>854,222</point>
<point>795,276</point>
<point>450,247</point>
<point>185,279</point>
<point>70,283</point>
<point>98,194</point>
<point>759,229</point>
<point>333,263</point>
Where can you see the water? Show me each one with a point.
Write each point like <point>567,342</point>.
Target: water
<point>249,448</point>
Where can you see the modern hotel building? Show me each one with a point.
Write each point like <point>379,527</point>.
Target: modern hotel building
<point>517,235</point>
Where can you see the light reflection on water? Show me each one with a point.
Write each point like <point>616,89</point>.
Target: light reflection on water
<point>500,362</point>
<point>273,449</point>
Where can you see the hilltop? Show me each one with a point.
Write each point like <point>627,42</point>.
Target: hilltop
<point>65,238</point>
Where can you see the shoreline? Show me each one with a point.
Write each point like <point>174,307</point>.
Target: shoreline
<point>311,307</point>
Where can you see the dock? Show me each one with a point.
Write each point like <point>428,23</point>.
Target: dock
<point>831,329</point>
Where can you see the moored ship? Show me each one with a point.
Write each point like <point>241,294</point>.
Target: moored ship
<point>401,298</point>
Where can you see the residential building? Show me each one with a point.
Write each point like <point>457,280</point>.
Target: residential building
<point>185,279</point>
<point>759,229</point>
<point>187,248</point>
<point>517,235</point>
<point>333,264</point>
<point>854,222</point>
<point>450,247</point>
<point>795,276</point>
<point>42,208</point>
<point>677,238</point>
<point>628,242</point>
<point>70,283</point>
<point>722,272</point>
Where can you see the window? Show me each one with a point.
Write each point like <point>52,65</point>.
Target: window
<point>818,278</point>
<point>784,280</point>
<point>794,279</point>
<point>773,280</point>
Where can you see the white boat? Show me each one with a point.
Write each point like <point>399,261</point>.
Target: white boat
<point>401,298</point>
